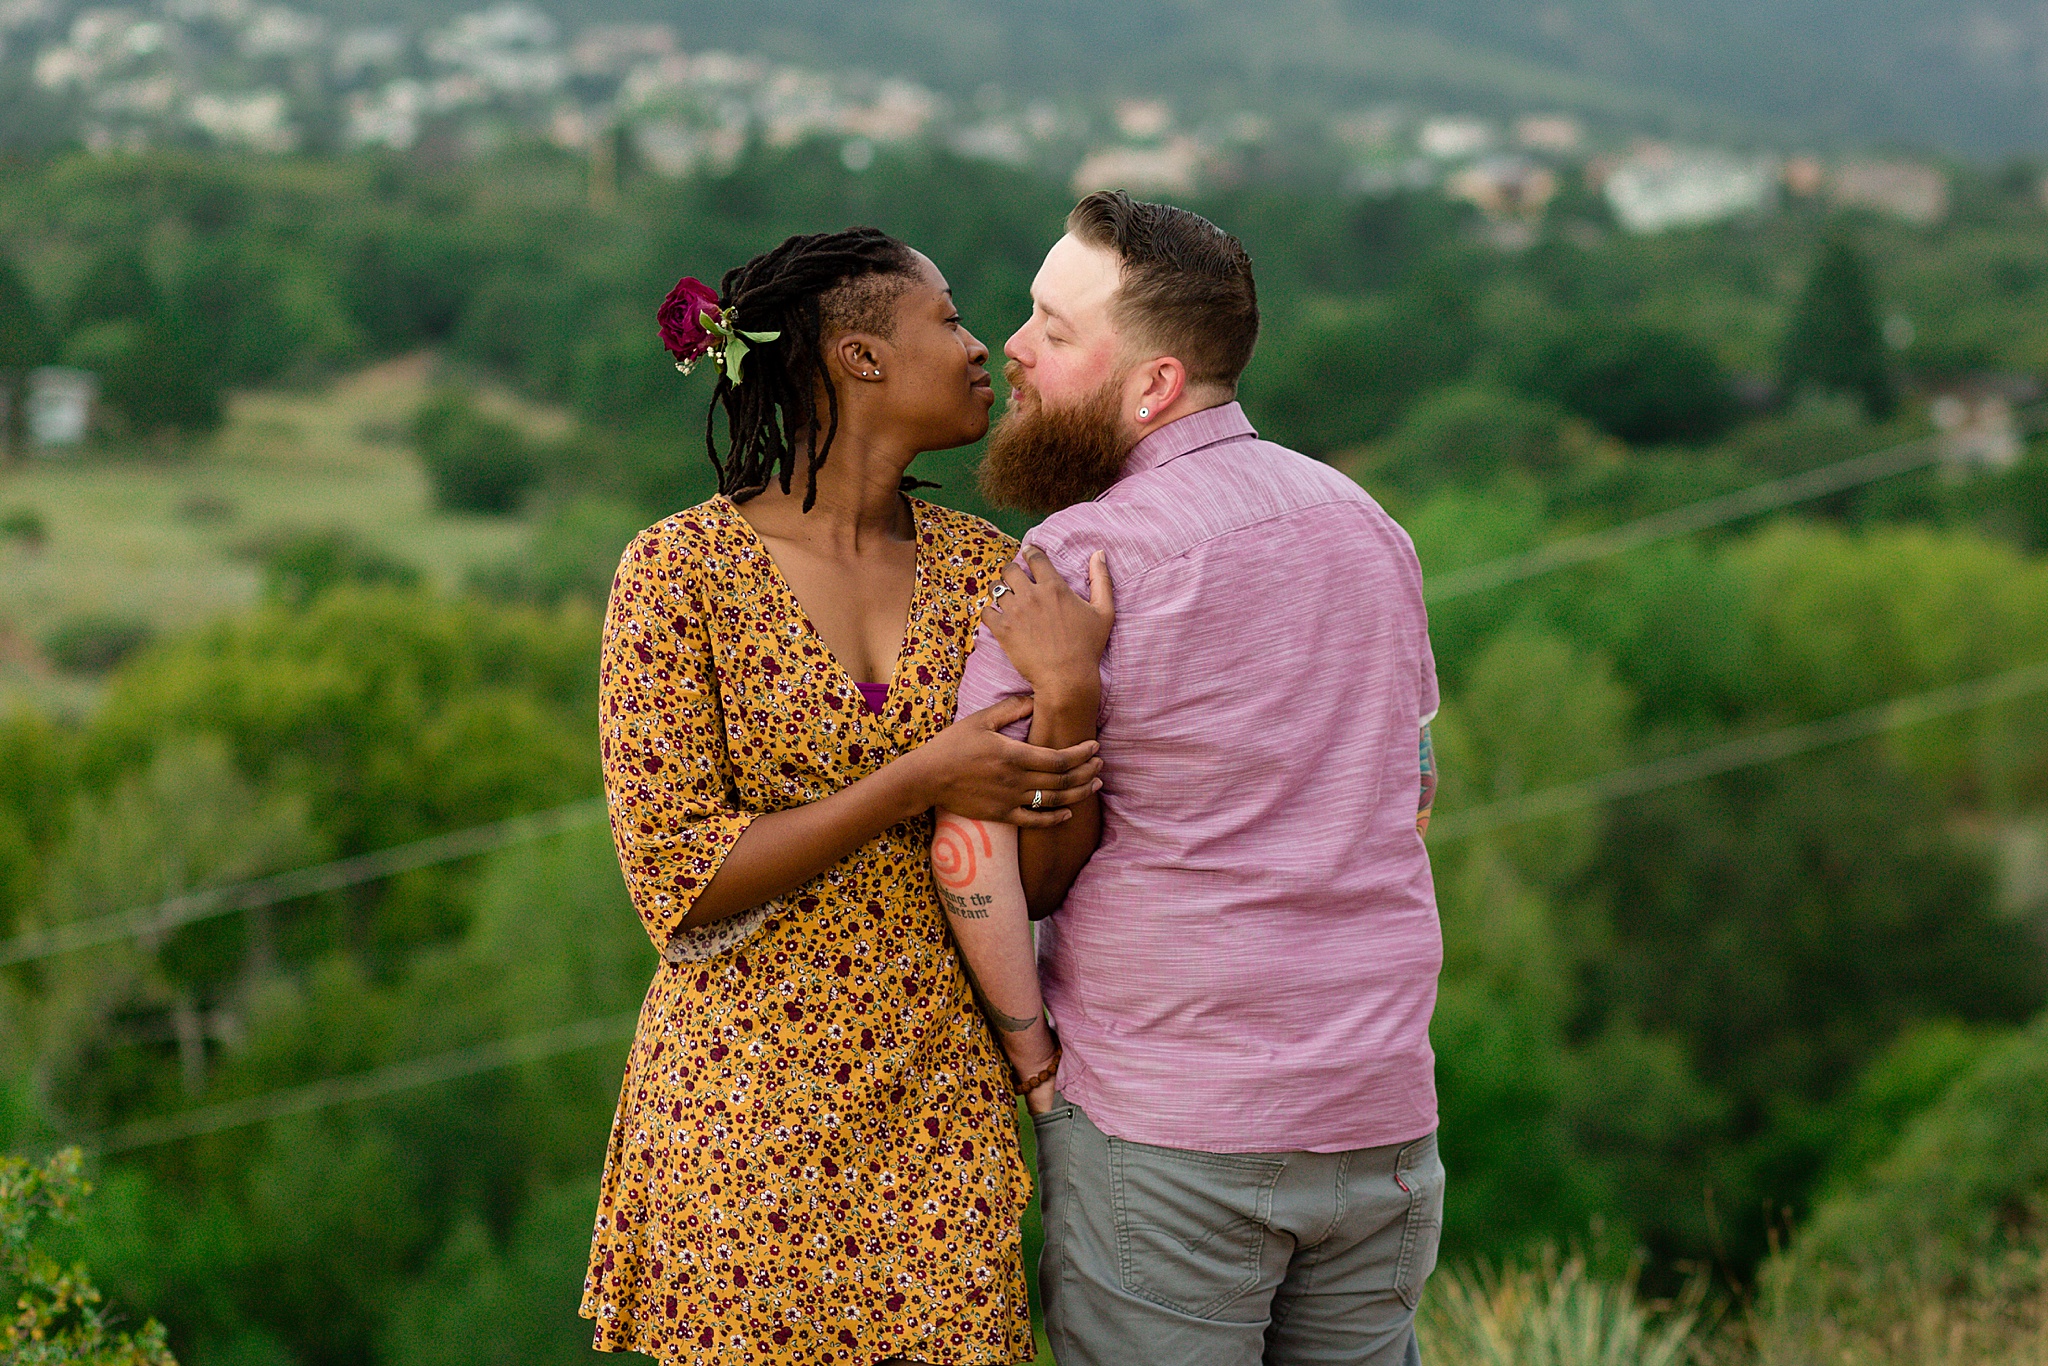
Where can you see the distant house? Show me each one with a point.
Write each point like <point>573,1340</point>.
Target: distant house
<point>1170,169</point>
<point>1504,187</point>
<point>1917,194</point>
<point>1559,134</point>
<point>253,119</point>
<point>1661,187</point>
<point>1454,137</point>
<point>1978,421</point>
<point>60,402</point>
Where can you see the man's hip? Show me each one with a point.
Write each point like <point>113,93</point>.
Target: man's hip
<point>1172,1257</point>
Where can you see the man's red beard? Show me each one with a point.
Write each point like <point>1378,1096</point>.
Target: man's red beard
<point>1041,458</point>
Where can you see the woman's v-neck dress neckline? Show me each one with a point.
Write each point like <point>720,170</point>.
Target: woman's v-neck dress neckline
<point>904,644</point>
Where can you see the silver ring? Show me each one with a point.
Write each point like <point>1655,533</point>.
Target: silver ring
<point>999,590</point>
<point>1037,799</point>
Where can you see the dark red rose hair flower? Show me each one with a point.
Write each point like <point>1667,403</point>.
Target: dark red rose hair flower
<point>693,326</point>
<point>688,317</point>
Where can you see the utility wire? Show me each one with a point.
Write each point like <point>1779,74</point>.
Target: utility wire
<point>1683,521</point>
<point>465,1062</point>
<point>202,905</point>
<point>404,1076</point>
<point>1754,749</point>
<point>325,877</point>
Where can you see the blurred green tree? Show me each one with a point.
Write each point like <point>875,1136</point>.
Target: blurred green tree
<point>25,343</point>
<point>1646,384</point>
<point>1473,435</point>
<point>152,377</point>
<point>1835,341</point>
<point>574,554</point>
<point>1964,1184</point>
<point>475,463</point>
<point>397,714</point>
<point>300,565</point>
<point>116,287</point>
<point>262,313</point>
<point>1787,923</point>
<point>1344,373</point>
<point>405,279</point>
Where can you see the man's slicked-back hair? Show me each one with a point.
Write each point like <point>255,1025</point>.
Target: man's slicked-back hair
<point>1187,284</point>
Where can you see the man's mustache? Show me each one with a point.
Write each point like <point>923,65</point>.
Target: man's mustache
<point>1013,375</point>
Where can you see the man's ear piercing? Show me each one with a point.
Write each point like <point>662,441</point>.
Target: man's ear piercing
<point>1144,413</point>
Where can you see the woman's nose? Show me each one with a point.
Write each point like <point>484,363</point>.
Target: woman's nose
<point>977,350</point>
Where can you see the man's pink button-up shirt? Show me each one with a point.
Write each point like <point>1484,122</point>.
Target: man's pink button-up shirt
<point>1249,962</point>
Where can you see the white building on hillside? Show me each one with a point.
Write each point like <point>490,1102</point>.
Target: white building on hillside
<point>1667,187</point>
<point>60,403</point>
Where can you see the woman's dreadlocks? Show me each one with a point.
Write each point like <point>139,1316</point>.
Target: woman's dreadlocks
<point>773,414</point>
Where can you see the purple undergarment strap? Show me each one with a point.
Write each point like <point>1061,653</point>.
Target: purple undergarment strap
<point>874,694</point>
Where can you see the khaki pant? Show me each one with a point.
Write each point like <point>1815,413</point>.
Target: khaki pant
<point>1168,1257</point>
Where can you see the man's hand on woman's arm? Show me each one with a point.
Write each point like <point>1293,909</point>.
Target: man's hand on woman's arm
<point>1055,640</point>
<point>974,864</point>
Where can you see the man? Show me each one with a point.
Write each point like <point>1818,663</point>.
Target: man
<point>1239,1163</point>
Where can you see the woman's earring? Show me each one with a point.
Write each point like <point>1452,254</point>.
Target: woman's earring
<point>1144,413</point>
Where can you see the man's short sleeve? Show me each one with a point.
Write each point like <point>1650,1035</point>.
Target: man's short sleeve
<point>991,678</point>
<point>1430,701</point>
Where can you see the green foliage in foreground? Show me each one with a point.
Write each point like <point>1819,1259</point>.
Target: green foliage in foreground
<point>1967,1183</point>
<point>57,1318</point>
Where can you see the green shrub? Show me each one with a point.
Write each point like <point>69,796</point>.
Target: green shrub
<point>475,463</point>
<point>25,525</point>
<point>1967,1181</point>
<point>574,553</point>
<point>1550,1314</point>
<point>298,566</point>
<point>56,1312</point>
<point>95,644</point>
<point>152,377</point>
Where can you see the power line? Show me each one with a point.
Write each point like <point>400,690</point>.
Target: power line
<point>465,1062</point>
<point>1754,749</point>
<point>1682,521</point>
<point>404,1076</point>
<point>324,877</point>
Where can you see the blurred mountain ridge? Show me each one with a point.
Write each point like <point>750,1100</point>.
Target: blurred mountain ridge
<point>1969,77</point>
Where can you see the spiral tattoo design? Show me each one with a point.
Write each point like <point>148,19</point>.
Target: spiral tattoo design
<point>954,860</point>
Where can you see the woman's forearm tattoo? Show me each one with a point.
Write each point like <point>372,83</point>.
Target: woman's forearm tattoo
<point>1428,796</point>
<point>955,863</point>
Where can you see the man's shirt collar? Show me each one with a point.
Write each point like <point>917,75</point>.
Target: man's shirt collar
<point>1196,431</point>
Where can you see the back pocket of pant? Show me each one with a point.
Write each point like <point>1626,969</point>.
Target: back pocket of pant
<point>1420,1172</point>
<point>1190,1227</point>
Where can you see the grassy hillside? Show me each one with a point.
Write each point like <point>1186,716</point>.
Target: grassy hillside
<point>170,543</point>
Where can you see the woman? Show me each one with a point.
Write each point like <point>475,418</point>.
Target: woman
<point>814,1157</point>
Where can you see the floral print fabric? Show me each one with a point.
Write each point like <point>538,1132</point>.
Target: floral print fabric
<point>815,1156</point>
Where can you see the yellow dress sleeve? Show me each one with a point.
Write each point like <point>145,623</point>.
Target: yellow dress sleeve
<point>667,776</point>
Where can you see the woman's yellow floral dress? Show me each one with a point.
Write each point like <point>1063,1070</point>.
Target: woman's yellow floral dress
<point>815,1157</point>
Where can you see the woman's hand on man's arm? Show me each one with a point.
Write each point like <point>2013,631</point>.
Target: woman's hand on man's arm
<point>968,767</point>
<point>1055,639</point>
